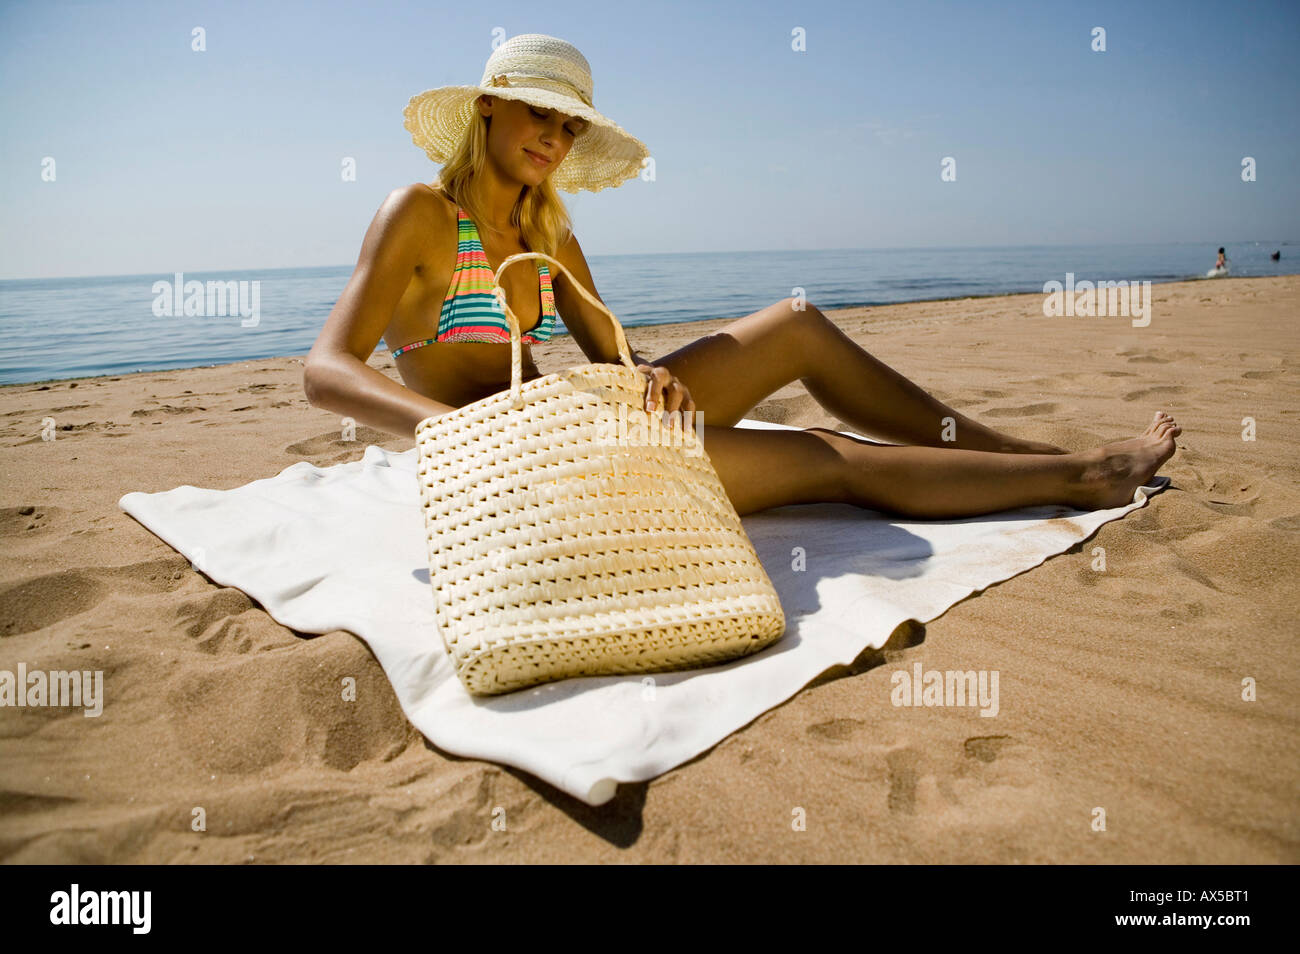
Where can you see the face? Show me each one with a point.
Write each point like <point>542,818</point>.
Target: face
<point>519,131</point>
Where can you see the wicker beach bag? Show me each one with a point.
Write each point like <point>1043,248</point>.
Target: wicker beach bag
<point>571,534</point>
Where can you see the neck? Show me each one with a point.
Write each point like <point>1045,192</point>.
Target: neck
<point>498,196</point>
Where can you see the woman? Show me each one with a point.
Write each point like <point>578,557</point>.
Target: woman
<point>508,144</point>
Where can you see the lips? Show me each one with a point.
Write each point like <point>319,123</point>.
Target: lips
<point>538,158</point>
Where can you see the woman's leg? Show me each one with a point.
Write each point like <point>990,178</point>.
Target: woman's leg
<point>772,468</point>
<point>730,371</point>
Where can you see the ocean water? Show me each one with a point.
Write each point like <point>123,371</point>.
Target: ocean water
<point>81,327</point>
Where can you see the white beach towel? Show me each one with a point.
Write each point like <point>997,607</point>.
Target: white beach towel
<point>343,547</point>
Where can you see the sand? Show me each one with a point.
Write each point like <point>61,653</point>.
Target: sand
<point>1120,690</point>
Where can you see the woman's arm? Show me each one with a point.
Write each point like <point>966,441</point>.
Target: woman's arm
<point>589,326</point>
<point>594,332</point>
<point>336,376</point>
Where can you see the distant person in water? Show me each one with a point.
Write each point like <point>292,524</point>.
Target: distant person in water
<point>1222,260</point>
<point>1276,255</point>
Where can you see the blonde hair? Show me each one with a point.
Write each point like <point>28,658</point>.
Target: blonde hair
<point>539,213</point>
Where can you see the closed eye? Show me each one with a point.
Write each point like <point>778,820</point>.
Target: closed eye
<point>571,132</point>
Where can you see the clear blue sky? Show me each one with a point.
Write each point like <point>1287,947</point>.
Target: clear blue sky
<point>171,160</point>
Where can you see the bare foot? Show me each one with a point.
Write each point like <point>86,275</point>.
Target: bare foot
<point>1111,473</point>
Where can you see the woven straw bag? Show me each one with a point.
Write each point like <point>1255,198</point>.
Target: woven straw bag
<point>570,534</point>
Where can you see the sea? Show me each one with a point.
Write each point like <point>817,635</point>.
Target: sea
<point>58,328</point>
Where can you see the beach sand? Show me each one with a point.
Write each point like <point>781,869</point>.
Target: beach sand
<point>1121,689</point>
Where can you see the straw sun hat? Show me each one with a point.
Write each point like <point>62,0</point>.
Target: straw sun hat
<point>546,72</point>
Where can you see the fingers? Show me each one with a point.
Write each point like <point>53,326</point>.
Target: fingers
<point>663,391</point>
<point>672,390</point>
<point>681,402</point>
<point>658,377</point>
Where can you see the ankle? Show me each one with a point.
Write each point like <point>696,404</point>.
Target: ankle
<point>1089,476</point>
<point>976,436</point>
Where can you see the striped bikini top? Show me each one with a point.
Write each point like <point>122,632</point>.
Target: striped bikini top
<point>470,311</point>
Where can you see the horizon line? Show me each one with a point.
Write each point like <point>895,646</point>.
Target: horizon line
<point>868,248</point>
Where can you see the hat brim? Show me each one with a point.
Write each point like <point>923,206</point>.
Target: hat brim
<point>604,156</point>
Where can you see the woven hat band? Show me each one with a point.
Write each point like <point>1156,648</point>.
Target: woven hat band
<point>549,83</point>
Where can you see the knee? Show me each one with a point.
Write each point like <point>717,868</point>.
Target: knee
<point>800,311</point>
<point>797,305</point>
<point>801,321</point>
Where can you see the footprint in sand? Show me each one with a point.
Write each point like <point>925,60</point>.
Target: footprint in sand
<point>994,763</point>
<point>165,409</point>
<point>1187,611</point>
<point>1254,564</point>
<point>473,797</point>
<point>13,803</point>
<point>1232,493</point>
<point>207,618</point>
<point>975,765</point>
<point>61,431</point>
<point>1178,521</point>
<point>903,777</point>
<point>1025,410</point>
<point>1086,576</point>
<point>226,620</point>
<point>44,412</point>
<point>332,443</point>
<point>1286,523</point>
<point>288,710</point>
<point>46,600</point>
<point>16,520</point>
<point>1158,389</point>
<point>835,730</point>
<point>985,748</point>
<point>1191,571</point>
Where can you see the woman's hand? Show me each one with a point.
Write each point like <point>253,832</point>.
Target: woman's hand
<point>664,390</point>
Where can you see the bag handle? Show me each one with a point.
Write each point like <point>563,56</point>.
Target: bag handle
<point>516,355</point>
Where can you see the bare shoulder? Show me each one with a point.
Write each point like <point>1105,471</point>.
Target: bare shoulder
<point>570,245</point>
<point>422,216</point>
<point>572,257</point>
<point>435,198</point>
